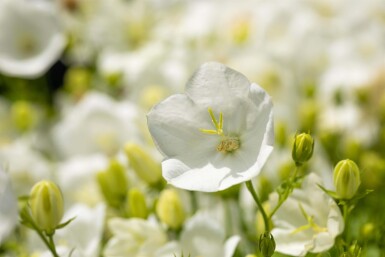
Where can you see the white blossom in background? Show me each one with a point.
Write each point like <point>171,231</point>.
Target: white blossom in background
<point>203,235</point>
<point>8,206</point>
<point>83,235</point>
<point>218,134</point>
<point>31,37</point>
<point>26,166</point>
<point>96,124</point>
<point>134,238</point>
<point>308,221</point>
<point>76,178</point>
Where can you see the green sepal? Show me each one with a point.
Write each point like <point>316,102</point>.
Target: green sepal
<point>64,224</point>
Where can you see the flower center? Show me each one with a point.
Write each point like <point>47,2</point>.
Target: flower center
<point>311,224</point>
<point>228,144</point>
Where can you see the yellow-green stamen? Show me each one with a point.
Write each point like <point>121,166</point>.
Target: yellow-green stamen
<point>311,224</point>
<point>228,143</point>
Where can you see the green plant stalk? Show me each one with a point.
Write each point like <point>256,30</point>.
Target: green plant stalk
<point>266,219</point>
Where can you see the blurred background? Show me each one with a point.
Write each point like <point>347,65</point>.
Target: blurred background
<point>78,76</point>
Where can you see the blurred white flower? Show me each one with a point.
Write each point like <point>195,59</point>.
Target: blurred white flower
<point>308,221</point>
<point>97,124</point>
<point>218,134</point>
<point>26,165</point>
<point>31,37</point>
<point>134,238</point>
<point>83,235</point>
<point>203,235</point>
<point>8,206</point>
<point>77,179</point>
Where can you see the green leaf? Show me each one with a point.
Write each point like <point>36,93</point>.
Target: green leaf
<point>329,192</point>
<point>64,224</point>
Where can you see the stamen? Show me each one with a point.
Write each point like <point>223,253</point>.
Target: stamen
<point>311,224</point>
<point>228,144</point>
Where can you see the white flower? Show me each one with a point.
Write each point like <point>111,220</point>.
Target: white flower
<point>134,238</point>
<point>8,206</point>
<point>308,221</point>
<point>83,234</point>
<point>218,134</point>
<point>76,179</point>
<point>97,124</point>
<point>31,38</point>
<point>205,236</point>
<point>25,164</point>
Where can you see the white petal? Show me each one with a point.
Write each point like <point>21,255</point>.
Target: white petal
<point>231,245</point>
<point>215,83</point>
<point>175,126</point>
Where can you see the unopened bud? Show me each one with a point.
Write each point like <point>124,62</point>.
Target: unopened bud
<point>137,204</point>
<point>346,179</point>
<point>266,244</point>
<point>170,209</point>
<point>143,164</point>
<point>251,255</point>
<point>303,148</point>
<point>23,115</point>
<point>47,206</point>
<point>113,183</point>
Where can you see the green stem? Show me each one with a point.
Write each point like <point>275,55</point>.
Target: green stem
<point>250,187</point>
<point>292,179</point>
<point>53,248</point>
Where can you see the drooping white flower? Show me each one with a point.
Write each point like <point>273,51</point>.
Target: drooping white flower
<point>218,134</point>
<point>308,221</point>
<point>8,206</point>
<point>97,124</point>
<point>31,37</point>
<point>134,238</point>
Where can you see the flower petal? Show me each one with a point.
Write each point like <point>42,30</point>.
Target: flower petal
<point>214,83</point>
<point>175,126</point>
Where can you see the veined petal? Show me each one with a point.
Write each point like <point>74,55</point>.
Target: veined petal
<point>175,126</point>
<point>214,83</point>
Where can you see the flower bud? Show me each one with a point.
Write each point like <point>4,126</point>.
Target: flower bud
<point>346,179</point>
<point>170,209</point>
<point>302,148</point>
<point>143,164</point>
<point>47,206</point>
<point>113,183</point>
<point>251,255</point>
<point>23,115</point>
<point>266,244</point>
<point>137,204</point>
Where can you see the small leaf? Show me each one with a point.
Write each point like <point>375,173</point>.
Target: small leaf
<point>64,224</point>
<point>329,192</point>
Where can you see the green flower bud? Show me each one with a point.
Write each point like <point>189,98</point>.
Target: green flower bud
<point>266,244</point>
<point>346,179</point>
<point>303,148</point>
<point>23,115</point>
<point>113,183</point>
<point>143,164</point>
<point>47,206</point>
<point>251,255</point>
<point>170,209</point>
<point>137,204</point>
<point>77,81</point>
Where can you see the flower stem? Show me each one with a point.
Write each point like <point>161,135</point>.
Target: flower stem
<point>250,187</point>
<point>52,248</point>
